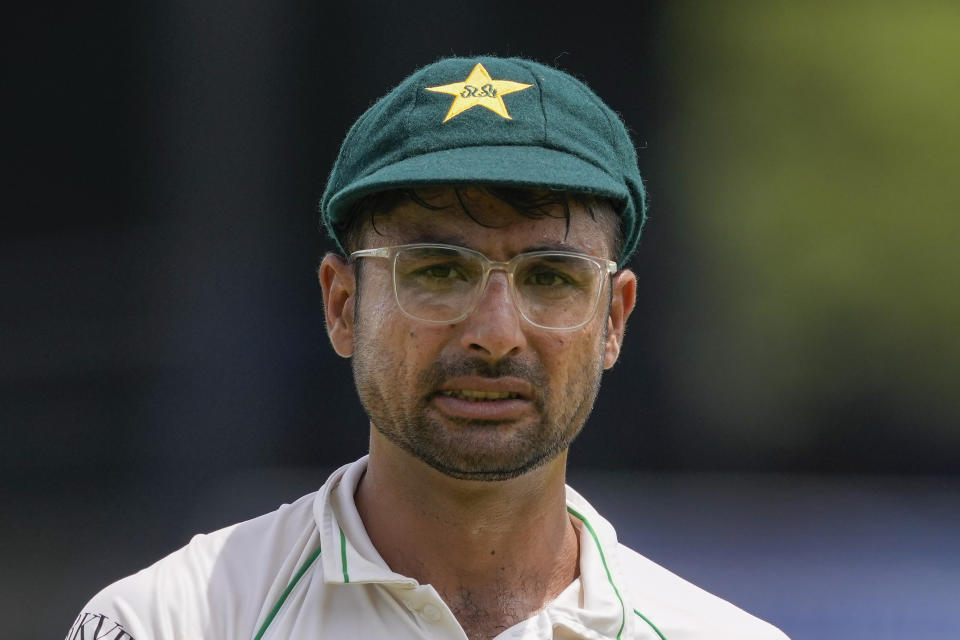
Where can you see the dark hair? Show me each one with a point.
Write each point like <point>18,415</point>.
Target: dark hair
<point>530,203</point>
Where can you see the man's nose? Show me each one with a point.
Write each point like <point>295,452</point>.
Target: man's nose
<point>495,328</point>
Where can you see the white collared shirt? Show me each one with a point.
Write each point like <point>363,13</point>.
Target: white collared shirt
<point>308,570</point>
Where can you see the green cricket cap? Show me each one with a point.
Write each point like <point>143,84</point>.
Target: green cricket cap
<point>495,121</point>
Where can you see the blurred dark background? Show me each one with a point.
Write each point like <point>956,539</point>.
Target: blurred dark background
<point>794,355</point>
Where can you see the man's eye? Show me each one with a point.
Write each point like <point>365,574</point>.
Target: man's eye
<point>545,278</point>
<point>441,271</point>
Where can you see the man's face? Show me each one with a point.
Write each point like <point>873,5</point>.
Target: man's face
<point>491,396</point>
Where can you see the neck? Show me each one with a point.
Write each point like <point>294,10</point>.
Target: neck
<point>496,552</point>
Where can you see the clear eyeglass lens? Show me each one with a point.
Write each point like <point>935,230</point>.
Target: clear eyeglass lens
<point>436,283</point>
<point>441,284</point>
<point>557,291</point>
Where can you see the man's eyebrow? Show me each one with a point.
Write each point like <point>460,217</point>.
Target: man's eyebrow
<point>435,238</point>
<point>553,246</point>
<point>460,241</point>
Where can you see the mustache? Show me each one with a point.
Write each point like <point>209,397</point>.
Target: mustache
<point>442,370</point>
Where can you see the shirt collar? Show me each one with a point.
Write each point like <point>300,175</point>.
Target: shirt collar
<point>596,607</point>
<point>348,554</point>
<point>600,609</point>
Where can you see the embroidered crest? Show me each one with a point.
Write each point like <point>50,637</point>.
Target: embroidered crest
<point>479,89</point>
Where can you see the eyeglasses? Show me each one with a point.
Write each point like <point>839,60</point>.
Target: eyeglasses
<point>441,283</point>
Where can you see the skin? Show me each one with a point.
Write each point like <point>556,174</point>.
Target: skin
<point>467,495</point>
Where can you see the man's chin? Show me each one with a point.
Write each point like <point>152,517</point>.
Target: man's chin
<point>468,465</point>
<point>477,450</point>
<point>475,474</point>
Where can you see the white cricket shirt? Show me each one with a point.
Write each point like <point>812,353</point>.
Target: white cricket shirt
<point>308,570</point>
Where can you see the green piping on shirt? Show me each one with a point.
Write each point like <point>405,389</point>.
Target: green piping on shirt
<point>652,626</point>
<point>286,592</point>
<point>603,558</point>
<point>343,556</point>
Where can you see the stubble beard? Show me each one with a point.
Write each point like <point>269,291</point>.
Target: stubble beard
<point>472,449</point>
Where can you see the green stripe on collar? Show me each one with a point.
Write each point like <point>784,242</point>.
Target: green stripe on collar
<point>652,626</point>
<point>286,592</point>
<point>603,558</point>
<point>343,557</point>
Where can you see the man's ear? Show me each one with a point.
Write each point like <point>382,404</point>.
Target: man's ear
<point>624,297</point>
<point>339,285</point>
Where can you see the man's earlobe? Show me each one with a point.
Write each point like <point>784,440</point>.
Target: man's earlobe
<point>624,298</point>
<point>339,287</point>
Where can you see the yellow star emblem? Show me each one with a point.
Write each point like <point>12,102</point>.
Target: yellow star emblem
<point>479,89</point>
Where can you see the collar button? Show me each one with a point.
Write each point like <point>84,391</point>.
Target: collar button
<point>431,613</point>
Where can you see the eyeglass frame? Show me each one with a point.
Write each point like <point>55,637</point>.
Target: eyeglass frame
<point>508,267</point>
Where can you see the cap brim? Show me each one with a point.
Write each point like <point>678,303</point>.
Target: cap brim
<point>519,166</point>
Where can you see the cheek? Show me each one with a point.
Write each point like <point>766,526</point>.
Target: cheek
<point>378,311</point>
<point>559,358</point>
<point>569,358</point>
<point>402,348</point>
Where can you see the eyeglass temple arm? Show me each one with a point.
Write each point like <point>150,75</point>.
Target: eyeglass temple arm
<point>381,252</point>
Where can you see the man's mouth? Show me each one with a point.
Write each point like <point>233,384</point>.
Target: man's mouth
<point>479,396</point>
<point>484,399</point>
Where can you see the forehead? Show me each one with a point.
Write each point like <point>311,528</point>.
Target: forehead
<point>475,218</point>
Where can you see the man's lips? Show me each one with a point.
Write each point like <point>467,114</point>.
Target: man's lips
<point>479,396</point>
<point>484,398</point>
<point>479,388</point>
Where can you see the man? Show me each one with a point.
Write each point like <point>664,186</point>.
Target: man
<point>486,209</point>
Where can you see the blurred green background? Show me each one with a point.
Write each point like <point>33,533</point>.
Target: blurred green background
<point>816,155</point>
